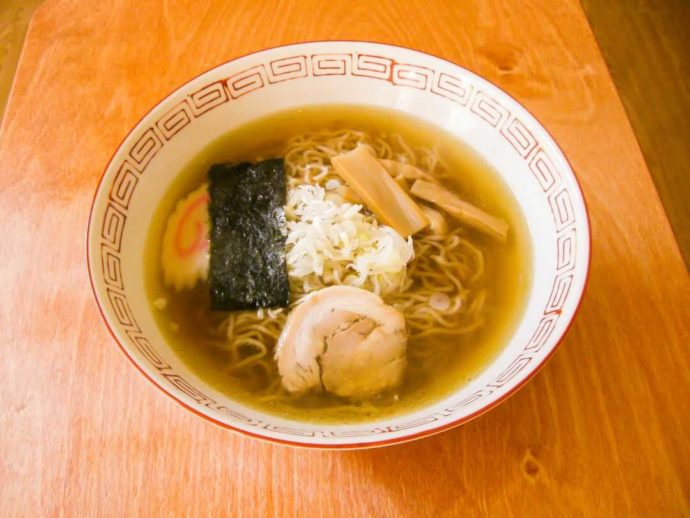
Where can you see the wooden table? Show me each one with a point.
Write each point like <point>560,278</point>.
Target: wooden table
<point>645,44</point>
<point>602,430</point>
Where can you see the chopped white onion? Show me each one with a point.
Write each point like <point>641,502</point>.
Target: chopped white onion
<point>332,184</point>
<point>439,301</point>
<point>333,242</point>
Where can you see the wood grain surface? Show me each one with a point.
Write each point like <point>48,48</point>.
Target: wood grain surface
<point>14,20</point>
<point>646,45</point>
<point>601,431</point>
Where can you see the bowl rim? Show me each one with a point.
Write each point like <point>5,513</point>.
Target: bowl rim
<point>352,445</point>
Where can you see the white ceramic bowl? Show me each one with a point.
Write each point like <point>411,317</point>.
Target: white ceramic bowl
<point>466,105</point>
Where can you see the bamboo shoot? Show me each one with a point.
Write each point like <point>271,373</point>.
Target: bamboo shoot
<point>381,193</point>
<point>465,212</point>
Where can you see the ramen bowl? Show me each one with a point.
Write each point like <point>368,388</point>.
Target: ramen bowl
<point>470,108</point>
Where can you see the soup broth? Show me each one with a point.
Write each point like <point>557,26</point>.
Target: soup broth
<point>440,356</point>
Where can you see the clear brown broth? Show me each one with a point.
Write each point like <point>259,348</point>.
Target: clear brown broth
<point>186,322</point>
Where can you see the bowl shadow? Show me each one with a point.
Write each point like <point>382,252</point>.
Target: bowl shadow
<point>452,473</point>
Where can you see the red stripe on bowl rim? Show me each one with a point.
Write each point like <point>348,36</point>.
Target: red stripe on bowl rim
<point>364,444</point>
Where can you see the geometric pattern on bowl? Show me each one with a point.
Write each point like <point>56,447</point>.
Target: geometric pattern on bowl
<point>327,71</point>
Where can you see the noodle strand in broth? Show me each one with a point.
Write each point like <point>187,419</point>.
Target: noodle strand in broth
<point>461,293</point>
<point>448,264</point>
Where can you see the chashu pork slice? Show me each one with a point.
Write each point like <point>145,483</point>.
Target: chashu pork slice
<point>343,340</point>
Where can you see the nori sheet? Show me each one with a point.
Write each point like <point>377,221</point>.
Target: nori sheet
<point>247,266</point>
